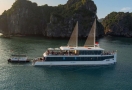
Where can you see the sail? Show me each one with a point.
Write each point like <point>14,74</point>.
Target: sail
<point>73,42</point>
<point>90,42</point>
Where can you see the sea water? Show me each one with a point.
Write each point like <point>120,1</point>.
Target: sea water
<point>24,76</point>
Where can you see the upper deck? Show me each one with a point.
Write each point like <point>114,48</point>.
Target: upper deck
<point>80,48</point>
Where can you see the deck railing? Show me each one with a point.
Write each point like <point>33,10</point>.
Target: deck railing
<point>73,53</point>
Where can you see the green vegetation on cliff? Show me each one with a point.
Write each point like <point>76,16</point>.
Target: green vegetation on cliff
<point>118,23</point>
<point>26,18</point>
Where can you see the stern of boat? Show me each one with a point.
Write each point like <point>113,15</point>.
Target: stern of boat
<point>38,61</point>
<point>115,56</point>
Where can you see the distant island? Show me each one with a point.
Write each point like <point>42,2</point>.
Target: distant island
<point>118,24</point>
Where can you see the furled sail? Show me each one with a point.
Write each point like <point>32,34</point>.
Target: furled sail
<point>73,42</point>
<point>90,42</point>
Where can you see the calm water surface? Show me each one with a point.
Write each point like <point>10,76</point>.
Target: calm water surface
<point>26,77</point>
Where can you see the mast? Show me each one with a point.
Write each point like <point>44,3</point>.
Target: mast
<point>94,31</point>
<point>90,41</point>
<point>77,34</point>
<point>73,41</point>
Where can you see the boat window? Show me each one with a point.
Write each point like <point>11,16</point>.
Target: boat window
<point>97,58</point>
<point>85,58</point>
<point>82,58</point>
<point>88,58</point>
<point>88,52</point>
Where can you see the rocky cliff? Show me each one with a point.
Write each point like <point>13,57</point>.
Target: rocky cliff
<point>74,10</point>
<point>22,19</point>
<point>118,24</point>
<point>26,18</point>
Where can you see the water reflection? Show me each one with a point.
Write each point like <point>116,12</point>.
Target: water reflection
<point>90,70</point>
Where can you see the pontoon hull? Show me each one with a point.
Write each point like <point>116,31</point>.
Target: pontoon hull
<point>71,63</point>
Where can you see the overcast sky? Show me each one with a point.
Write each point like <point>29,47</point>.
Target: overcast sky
<point>104,6</point>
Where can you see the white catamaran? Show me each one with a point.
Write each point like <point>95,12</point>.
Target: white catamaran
<point>72,54</point>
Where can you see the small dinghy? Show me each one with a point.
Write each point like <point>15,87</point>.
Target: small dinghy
<point>18,58</point>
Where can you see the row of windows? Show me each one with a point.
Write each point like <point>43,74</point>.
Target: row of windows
<point>85,52</point>
<point>78,58</point>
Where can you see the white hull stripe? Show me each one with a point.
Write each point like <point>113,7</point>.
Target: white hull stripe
<point>52,63</point>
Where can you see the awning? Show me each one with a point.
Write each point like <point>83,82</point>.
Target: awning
<point>50,48</point>
<point>57,48</point>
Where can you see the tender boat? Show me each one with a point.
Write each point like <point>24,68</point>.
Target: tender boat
<point>72,54</point>
<point>18,58</point>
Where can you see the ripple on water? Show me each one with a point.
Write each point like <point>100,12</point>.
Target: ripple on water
<point>26,77</point>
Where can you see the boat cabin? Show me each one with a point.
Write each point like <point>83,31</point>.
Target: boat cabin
<point>64,50</point>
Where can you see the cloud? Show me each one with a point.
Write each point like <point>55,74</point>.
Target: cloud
<point>125,9</point>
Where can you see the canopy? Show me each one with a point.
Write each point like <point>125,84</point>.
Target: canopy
<point>57,48</point>
<point>50,48</point>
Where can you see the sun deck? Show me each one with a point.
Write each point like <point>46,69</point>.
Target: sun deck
<point>80,48</point>
<point>75,51</point>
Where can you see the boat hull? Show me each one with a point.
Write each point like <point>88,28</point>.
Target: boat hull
<point>9,60</point>
<point>74,63</point>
